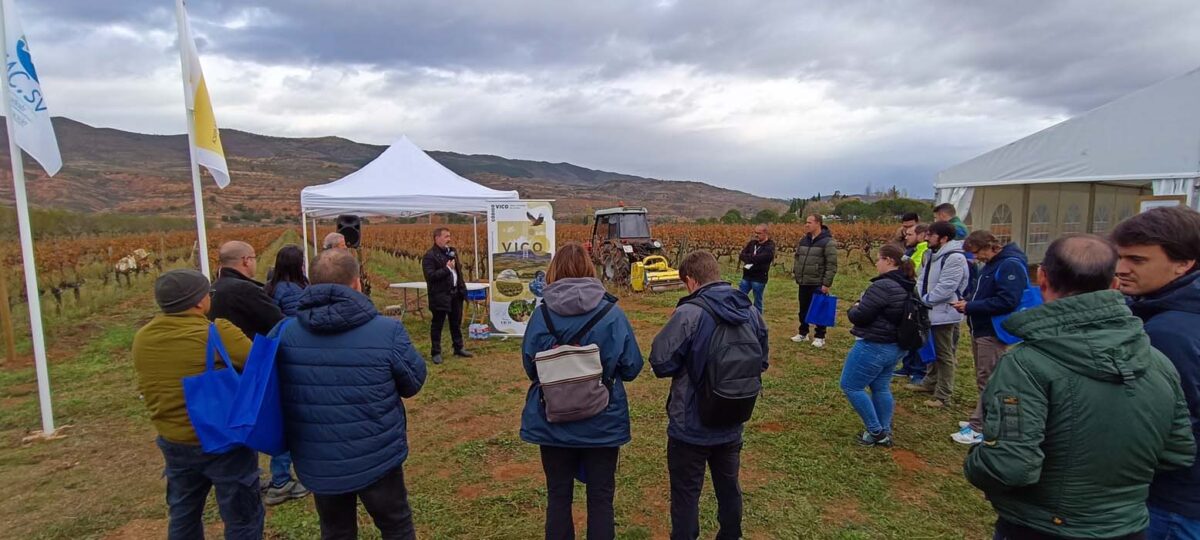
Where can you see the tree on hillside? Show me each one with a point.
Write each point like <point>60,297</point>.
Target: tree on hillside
<point>789,218</point>
<point>797,206</point>
<point>732,217</point>
<point>854,210</point>
<point>765,216</point>
<point>892,209</point>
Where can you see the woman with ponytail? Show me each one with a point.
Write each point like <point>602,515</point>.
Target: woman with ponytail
<point>876,319</point>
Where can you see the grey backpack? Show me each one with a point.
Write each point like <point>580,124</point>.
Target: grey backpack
<point>572,375</point>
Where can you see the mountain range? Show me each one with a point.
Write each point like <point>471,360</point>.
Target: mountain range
<point>109,170</point>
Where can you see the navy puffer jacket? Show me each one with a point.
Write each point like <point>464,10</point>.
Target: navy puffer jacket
<point>287,297</point>
<point>343,370</point>
<point>876,316</point>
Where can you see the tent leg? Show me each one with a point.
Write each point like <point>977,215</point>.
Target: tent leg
<point>475,239</point>
<point>304,241</point>
<point>314,236</point>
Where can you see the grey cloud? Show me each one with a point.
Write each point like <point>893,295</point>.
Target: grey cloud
<point>940,58</point>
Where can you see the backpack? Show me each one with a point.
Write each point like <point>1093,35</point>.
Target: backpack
<point>913,330</point>
<point>732,377</point>
<point>571,375</point>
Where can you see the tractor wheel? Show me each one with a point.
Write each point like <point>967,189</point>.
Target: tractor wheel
<point>614,264</point>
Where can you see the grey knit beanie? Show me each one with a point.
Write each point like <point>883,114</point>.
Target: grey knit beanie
<point>180,290</point>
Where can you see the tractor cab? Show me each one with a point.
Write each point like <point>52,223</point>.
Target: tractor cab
<point>622,247</point>
<point>624,223</point>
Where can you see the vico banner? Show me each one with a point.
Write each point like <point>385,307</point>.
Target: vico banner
<point>520,245</point>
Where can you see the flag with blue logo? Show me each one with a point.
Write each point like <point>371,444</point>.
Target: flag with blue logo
<point>30,115</point>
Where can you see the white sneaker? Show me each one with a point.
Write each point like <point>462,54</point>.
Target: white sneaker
<point>963,424</point>
<point>800,338</point>
<point>818,343</point>
<point>967,436</point>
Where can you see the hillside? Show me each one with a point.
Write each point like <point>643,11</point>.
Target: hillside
<point>108,170</point>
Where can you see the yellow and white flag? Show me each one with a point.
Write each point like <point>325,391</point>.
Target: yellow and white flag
<point>207,151</point>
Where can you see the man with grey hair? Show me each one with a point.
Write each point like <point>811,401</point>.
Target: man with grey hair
<point>1080,416</point>
<point>344,371</point>
<point>334,240</point>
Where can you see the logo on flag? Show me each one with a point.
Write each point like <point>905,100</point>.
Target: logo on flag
<point>30,116</point>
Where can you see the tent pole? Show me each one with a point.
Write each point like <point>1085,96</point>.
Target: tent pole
<point>304,241</point>
<point>475,239</point>
<point>315,249</point>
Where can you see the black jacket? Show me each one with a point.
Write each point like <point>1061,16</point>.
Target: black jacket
<point>242,301</point>
<point>442,289</point>
<point>759,255</point>
<point>876,317</point>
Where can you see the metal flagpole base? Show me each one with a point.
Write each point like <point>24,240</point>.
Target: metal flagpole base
<point>40,436</point>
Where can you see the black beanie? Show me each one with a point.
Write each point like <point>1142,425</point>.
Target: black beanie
<point>180,290</point>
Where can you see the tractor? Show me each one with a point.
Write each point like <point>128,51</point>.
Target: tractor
<point>626,254</point>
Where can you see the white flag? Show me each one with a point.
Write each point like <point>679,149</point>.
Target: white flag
<point>30,116</point>
<point>208,150</point>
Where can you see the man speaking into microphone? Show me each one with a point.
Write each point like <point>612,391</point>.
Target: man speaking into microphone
<point>447,293</point>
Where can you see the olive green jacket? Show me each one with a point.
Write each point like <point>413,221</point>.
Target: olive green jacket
<point>169,348</point>
<point>1077,419</point>
<point>816,259</point>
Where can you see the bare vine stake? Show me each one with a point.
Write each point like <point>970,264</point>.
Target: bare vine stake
<point>6,320</point>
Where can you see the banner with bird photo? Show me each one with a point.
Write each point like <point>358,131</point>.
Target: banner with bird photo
<point>521,244</point>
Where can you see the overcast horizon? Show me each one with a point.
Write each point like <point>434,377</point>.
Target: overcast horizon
<point>780,100</point>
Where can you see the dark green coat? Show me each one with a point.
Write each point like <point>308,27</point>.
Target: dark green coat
<point>1077,419</point>
<point>816,259</point>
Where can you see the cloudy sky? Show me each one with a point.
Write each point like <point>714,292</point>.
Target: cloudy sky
<point>778,98</point>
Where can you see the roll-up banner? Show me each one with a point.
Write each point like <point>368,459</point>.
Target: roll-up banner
<point>520,245</point>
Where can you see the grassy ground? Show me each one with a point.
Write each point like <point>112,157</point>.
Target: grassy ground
<point>469,474</point>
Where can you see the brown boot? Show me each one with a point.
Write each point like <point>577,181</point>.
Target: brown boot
<point>935,404</point>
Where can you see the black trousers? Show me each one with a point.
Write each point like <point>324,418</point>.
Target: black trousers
<point>599,467</point>
<point>686,463</point>
<point>386,501</point>
<point>1006,530</point>
<point>439,318</point>
<point>805,297</point>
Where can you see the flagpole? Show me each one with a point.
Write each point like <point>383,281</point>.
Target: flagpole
<point>197,194</point>
<point>31,288</point>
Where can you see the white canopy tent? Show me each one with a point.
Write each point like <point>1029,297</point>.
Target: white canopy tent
<point>1149,138</point>
<point>402,182</point>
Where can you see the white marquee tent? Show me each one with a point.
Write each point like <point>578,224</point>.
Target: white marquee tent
<point>1088,172</point>
<point>402,182</point>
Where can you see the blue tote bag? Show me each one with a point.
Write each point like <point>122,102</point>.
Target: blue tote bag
<point>822,311</point>
<point>209,398</point>
<point>927,352</point>
<point>1031,297</point>
<point>256,418</point>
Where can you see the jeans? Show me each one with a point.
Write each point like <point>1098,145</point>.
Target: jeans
<point>455,315</point>
<point>686,463</point>
<point>386,501</point>
<point>1165,525</point>
<point>746,286</point>
<point>940,378</point>
<point>281,469</point>
<point>987,351</point>
<point>191,473</point>
<point>870,365</point>
<point>1006,530</point>
<point>600,468</point>
<point>805,297</point>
